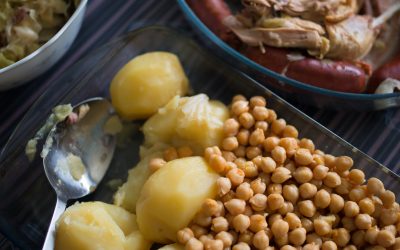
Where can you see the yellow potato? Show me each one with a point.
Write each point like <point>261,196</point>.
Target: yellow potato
<point>171,197</point>
<point>97,225</point>
<point>147,83</point>
<point>194,121</point>
<point>128,194</point>
<point>175,246</point>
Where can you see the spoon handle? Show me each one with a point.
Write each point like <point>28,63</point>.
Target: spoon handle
<point>51,233</point>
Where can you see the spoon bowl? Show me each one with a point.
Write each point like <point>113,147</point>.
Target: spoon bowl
<point>77,154</point>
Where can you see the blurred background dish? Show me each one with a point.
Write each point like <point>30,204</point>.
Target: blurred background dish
<point>293,90</point>
<point>54,41</point>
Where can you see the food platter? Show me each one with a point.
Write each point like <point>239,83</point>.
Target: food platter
<point>26,208</point>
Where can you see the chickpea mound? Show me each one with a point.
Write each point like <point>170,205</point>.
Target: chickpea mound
<point>146,83</point>
<point>97,225</point>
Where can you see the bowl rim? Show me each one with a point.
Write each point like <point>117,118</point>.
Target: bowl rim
<point>250,63</point>
<point>45,46</point>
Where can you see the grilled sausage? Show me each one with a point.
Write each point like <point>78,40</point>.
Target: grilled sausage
<point>391,69</point>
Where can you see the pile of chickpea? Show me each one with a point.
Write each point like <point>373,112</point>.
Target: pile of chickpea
<point>278,192</point>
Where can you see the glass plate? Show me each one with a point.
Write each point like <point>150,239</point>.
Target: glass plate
<point>27,200</point>
<point>286,87</point>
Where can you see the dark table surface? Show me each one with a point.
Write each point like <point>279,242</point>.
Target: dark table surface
<point>375,133</point>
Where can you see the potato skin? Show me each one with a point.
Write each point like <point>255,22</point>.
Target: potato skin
<point>171,197</point>
<point>97,225</point>
<point>146,83</point>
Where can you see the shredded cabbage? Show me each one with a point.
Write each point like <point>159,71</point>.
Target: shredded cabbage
<point>25,25</point>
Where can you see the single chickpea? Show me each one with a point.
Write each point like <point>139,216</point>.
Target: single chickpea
<point>358,238</point>
<point>258,186</point>
<point>297,236</point>
<point>210,207</point>
<point>375,186</point>
<point>307,224</point>
<point>389,216</point>
<point>286,208</point>
<point>314,238</point>
<point>289,144</point>
<point>280,228</point>
<point>322,199</point>
<point>220,210</point>
<point>388,198</point>
<point>225,237</point>
<point>270,143</point>
<point>184,235</point>
<point>343,163</point>
<point>344,188</point>
<point>332,180</point>
<point>268,165</point>
<point>303,156</point>
<point>329,245</point>
<point>230,143</point>
<point>344,174</point>
<point>208,152</point>
<point>246,237</point>
<point>311,246</point>
<point>231,127</point>
<point>329,160</point>
<point>390,228</point>
<point>307,190</point>
<point>291,166</point>
<point>184,151</point>
<point>272,116</point>
<point>198,230</point>
<point>303,174</point>
<point>277,126</point>
<point>244,192</point>
<point>257,223</point>
<point>246,120</point>
<point>194,244</point>
<point>155,164</point>
<point>293,220</point>
<point>250,169</point>
<point>243,137</point>
<point>261,240</point>
<point>317,160</point>
<point>371,234</point>
<point>240,107</point>
<point>257,101</point>
<point>202,219</point>
<point>363,221</point>
<point>291,193</point>
<point>351,209</point>
<point>349,223</point>
<point>241,222</point>
<point>241,246</point>
<point>273,218</point>
<point>290,131</point>
<point>239,152</point>
<point>248,211</point>
<point>258,202</point>
<point>350,247</point>
<point>253,152</point>
<point>279,154</point>
<point>280,175</point>
<point>170,154</point>
<point>260,113</point>
<point>256,137</point>
<point>275,201</point>
<point>356,176</point>
<point>219,224</point>
<point>214,245</point>
<point>218,163</point>
<point>307,143</point>
<point>235,206</point>
<point>261,125</point>
<point>320,172</point>
<point>239,98</point>
<point>274,188</point>
<point>357,194</point>
<point>341,237</point>
<point>236,176</point>
<point>322,227</point>
<point>337,203</point>
<point>307,208</point>
<point>223,185</point>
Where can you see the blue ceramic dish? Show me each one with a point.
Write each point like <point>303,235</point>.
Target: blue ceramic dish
<point>288,88</point>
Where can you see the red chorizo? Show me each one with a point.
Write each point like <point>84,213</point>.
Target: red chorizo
<point>391,69</point>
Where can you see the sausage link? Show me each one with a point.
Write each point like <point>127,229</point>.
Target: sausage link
<point>391,69</point>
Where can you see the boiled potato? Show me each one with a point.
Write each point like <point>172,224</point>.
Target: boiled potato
<point>147,83</point>
<point>97,225</point>
<point>171,197</point>
<point>175,246</point>
<point>128,194</point>
<point>194,121</point>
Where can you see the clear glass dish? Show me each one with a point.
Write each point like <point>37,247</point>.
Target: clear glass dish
<point>27,200</point>
<point>288,88</point>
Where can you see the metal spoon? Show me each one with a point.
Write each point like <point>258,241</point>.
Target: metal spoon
<point>86,140</point>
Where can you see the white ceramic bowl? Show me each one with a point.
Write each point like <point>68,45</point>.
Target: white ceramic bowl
<point>46,56</point>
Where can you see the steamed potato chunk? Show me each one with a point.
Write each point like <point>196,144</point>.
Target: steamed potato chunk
<point>171,197</point>
<point>147,83</point>
<point>194,121</point>
<point>128,194</point>
<point>97,225</point>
